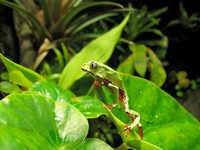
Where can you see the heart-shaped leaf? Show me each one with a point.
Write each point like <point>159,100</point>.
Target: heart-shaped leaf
<point>32,121</point>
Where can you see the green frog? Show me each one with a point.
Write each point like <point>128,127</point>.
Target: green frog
<point>106,76</point>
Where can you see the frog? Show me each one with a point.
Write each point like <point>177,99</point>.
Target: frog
<point>106,76</point>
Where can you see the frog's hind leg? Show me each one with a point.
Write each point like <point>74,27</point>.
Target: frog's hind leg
<point>135,116</point>
<point>136,122</point>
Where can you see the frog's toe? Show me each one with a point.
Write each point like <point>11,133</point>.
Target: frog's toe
<point>110,106</point>
<point>127,129</point>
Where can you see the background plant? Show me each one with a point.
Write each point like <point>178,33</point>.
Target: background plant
<point>188,22</point>
<point>60,21</point>
<point>142,34</point>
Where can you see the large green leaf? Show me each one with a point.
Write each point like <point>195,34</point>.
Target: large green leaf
<point>90,107</point>
<point>19,74</point>
<point>94,144</point>
<point>32,121</point>
<point>165,123</point>
<point>53,91</point>
<point>99,49</point>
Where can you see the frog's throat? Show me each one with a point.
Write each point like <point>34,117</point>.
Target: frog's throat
<point>103,81</point>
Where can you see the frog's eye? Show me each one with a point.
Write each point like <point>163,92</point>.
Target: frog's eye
<point>93,65</point>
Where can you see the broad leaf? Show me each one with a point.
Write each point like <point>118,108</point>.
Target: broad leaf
<point>53,91</point>
<point>32,121</point>
<point>99,49</point>
<point>94,144</point>
<point>161,116</point>
<point>19,74</point>
<point>90,107</point>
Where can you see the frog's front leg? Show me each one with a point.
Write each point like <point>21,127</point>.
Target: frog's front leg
<point>115,90</point>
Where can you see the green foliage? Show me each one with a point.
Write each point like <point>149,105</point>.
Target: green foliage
<point>161,116</point>
<point>46,117</point>
<point>29,120</point>
<point>57,20</point>
<point>51,70</point>
<point>93,51</point>
<point>60,20</point>
<point>141,59</point>
<point>185,20</point>
<point>141,33</point>
<point>8,87</point>
<point>55,26</point>
<point>90,107</point>
<point>94,144</point>
<point>183,85</point>
<point>99,49</point>
<point>19,74</point>
<point>143,22</point>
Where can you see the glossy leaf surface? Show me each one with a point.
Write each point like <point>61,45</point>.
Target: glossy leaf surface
<point>161,116</point>
<point>94,144</point>
<point>164,121</point>
<point>32,121</point>
<point>90,107</point>
<point>53,91</point>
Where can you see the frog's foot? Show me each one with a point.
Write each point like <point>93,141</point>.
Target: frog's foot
<point>129,127</point>
<point>110,106</point>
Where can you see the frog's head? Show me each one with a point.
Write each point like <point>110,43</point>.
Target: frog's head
<point>97,70</point>
<point>102,73</point>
